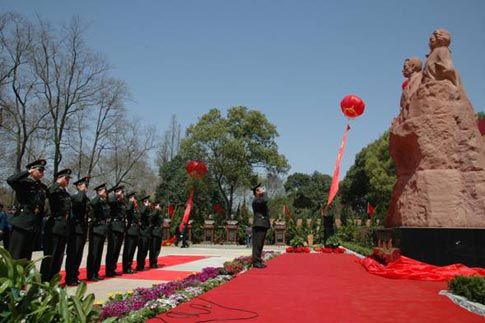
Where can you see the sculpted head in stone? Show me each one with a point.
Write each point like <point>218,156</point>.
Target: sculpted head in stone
<point>439,65</point>
<point>439,38</point>
<point>411,65</point>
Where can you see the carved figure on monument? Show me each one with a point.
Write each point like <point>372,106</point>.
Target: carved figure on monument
<point>412,72</point>
<point>437,148</point>
<point>439,65</point>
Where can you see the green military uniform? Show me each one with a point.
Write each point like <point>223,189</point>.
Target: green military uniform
<point>97,234</point>
<point>132,234</point>
<point>117,226</point>
<point>156,237</point>
<point>79,229</point>
<point>145,234</point>
<point>261,225</point>
<point>27,221</point>
<point>56,229</point>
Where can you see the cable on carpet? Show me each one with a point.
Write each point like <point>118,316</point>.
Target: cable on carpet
<point>206,309</point>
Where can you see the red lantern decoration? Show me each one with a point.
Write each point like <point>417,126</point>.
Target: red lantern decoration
<point>352,106</point>
<point>218,209</point>
<point>196,169</point>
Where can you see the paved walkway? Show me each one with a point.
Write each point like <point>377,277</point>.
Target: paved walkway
<point>215,255</point>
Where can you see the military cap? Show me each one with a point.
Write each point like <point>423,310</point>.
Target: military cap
<point>145,198</point>
<point>131,194</point>
<point>99,187</point>
<point>66,172</point>
<point>37,164</point>
<point>255,187</point>
<point>82,180</point>
<point>116,188</point>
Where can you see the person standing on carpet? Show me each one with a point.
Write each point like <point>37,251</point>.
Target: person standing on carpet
<point>261,224</point>
<point>156,235</point>
<point>79,229</point>
<point>98,230</point>
<point>116,230</point>
<point>57,228</point>
<point>132,233</point>
<point>145,233</point>
<point>26,223</point>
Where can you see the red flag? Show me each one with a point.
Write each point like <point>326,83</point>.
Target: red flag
<point>171,210</point>
<point>188,208</point>
<point>370,209</point>
<point>336,171</point>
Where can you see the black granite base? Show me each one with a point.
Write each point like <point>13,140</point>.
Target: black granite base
<point>442,246</point>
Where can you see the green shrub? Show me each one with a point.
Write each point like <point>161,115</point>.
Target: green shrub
<point>333,242</point>
<point>473,288</point>
<point>25,298</point>
<point>365,251</point>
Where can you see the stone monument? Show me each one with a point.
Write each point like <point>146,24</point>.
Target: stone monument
<point>440,161</point>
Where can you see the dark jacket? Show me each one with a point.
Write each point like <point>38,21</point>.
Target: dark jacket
<point>133,219</point>
<point>99,216</point>
<point>31,197</point>
<point>261,212</point>
<point>81,207</point>
<point>117,215</point>
<point>156,223</point>
<point>145,229</point>
<point>61,208</point>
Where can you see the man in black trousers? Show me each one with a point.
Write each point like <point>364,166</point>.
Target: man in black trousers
<point>156,232</point>
<point>56,229</point>
<point>79,229</point>
<point>145,233</point>
<point>26,223</point>
<point>261,224</point>
<point>116,231</point>
<point>98,230</point>
<point>132,233</point>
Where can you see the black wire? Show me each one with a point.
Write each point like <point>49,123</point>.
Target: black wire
<point>206,309</point>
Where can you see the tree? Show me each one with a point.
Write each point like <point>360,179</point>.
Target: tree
<point>308,192</point>
<point>22,111</point>
<point>70,74</point>
<point>371,178</point>
<point>170,144</point>
<point>235,147</point>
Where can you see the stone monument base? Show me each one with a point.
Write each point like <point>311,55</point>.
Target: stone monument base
<point>442,246</point>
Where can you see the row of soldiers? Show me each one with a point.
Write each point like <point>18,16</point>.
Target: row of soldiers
<point>116,217</point>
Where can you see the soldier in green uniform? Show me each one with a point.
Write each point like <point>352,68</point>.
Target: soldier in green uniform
<point>132,233</point>
<point>145,233</point>
<point>117,227</point>
<point>156,235</point>
<point>56,229</point>
<point>98,230</point>
<point>261,224</point>
<point>26,224</point>
<point>79,229</point>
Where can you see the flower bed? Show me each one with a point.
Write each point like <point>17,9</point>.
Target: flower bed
<point>329,250</point>
<point>297,249</point>
<point>144,303</point>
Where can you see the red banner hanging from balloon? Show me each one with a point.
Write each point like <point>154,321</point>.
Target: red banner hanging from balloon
<point>336,172</point>
<point>188,208</point>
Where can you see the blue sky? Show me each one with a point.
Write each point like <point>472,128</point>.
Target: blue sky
<point>293,60</point>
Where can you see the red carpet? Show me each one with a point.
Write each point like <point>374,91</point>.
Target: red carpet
<point>149,274</point>
<point>320,288</point>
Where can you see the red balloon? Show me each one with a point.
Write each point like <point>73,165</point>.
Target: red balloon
<point>196,168</point>
<point>352,106</point>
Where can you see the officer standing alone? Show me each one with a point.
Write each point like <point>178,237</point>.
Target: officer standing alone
<point>261,224</point>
